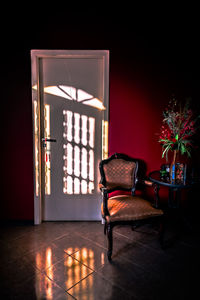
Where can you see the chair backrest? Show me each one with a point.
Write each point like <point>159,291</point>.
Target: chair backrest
<point>119,171</point>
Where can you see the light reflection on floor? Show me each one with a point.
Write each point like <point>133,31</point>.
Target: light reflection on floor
<point>77,265</point>
<point>75,271</point>
<point>32,254</point>
<point>48,264</point>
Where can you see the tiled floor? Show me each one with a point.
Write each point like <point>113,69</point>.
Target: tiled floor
<point>67,260</point>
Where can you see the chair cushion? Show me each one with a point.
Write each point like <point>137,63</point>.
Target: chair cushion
<point>130,208</point>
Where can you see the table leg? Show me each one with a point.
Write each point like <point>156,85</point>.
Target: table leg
<point>171,198</point>
<point>156,188</point>
<point>177,198</point>
<point>173,202</point>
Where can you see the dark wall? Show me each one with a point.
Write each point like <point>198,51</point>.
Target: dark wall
<point>152,56</point>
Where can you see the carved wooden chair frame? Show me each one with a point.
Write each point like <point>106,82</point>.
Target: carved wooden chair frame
<point>108,227</point>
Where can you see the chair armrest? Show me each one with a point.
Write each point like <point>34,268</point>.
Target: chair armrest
<point>101,186</point>
<point>144,182</point>
<point>148,183</point>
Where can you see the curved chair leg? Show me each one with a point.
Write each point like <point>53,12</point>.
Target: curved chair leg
<point>105,227</point>
<point>110,241</point>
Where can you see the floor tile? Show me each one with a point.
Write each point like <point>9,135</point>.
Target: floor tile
<point>91,256</point>
<point>16,272</point>
<point>85,251</point>
<point>97,288</point>
<point>94,234</point>
<point>71,243</point>
<point>53,230</point>
<point>45,257</point>
<point>10,253</point>
<point>139,255</point>
<point>68,272</point>
<point>12,231</point>
<point>142,235</point>
<point>14,278</point>
<point>38,287</point>
<point>30,242</point>
<point>129,278</point>
<point>48,289</point>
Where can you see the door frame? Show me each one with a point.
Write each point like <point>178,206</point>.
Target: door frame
<point>37,107</point>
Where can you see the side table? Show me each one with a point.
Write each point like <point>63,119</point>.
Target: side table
<point>173,202</point>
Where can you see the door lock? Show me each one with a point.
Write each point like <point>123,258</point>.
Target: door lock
<point>49,140</point>
<point>45,140</point>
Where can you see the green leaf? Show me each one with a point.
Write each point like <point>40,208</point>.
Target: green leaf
<point>165,152</point>
<point>164,140</point>
<point>183,149</point>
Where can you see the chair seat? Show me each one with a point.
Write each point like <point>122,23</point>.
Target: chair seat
<point>129,208</point>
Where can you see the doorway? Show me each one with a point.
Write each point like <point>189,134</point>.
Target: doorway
<point>70,119</point>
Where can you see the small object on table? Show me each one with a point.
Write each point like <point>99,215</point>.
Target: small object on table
<point>164,171</point>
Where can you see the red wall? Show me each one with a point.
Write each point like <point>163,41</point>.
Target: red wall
<point>144,71</point>
<point>134,121</point>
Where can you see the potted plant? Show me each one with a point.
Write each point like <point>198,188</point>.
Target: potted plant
<point>178,128</point>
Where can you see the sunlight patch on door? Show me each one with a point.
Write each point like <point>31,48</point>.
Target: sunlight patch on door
<point>78,134</point>
<point>72,93</point>
<point>36,147</point>
<point>47,151</point>
<point>104,139</point>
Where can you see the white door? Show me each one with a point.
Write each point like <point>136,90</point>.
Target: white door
<point>70,102</point>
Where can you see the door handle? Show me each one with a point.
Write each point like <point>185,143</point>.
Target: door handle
<point>48,140</point>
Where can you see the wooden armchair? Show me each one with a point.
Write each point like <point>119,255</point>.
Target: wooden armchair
<point>119,172</point>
